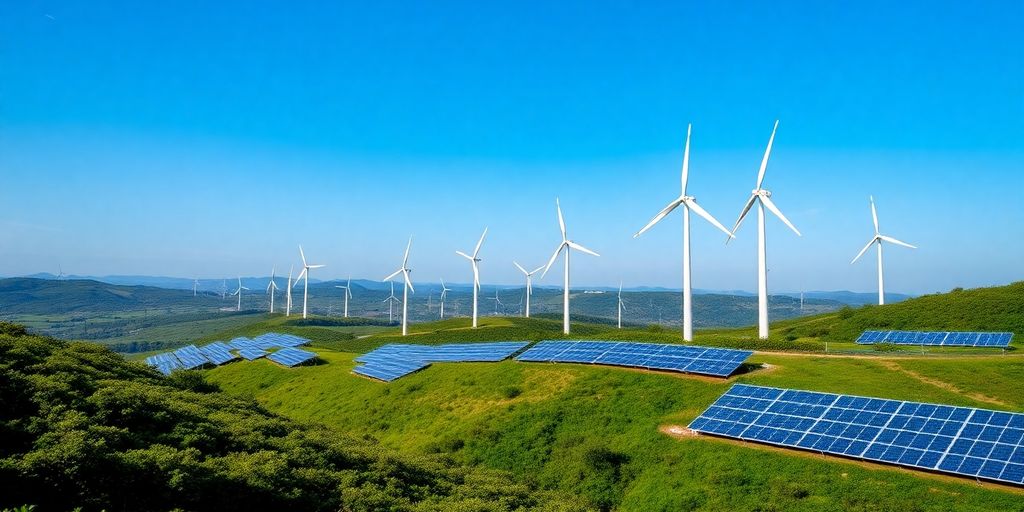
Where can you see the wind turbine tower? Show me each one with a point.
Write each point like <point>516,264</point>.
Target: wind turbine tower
<point>529,283</point>
<point>238,292</point>
<point>404,270</point>
<point>474,260</point>
<point>878,239</point>
<point>272,287</point>
<point>566,245</point>
<point>306,267</point>
<point>444,295</point>
<point>348,293</point>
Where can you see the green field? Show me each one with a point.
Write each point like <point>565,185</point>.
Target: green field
<point>594,431</point>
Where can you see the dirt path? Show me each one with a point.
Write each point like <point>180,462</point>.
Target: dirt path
<point>894,366</point>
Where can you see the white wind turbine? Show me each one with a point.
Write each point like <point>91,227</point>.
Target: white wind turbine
<point>474,260</point>
<point>348,293</point>
<point>305,272</point>
<point>404,270</point>
<point>621,306</point>
<point>195,286</point>
<point>688,203</point>
<point>238,292</point>
<point>529,283</point>
<point>764,200</point>
<point>288,293</point>
<point>391,300</point>
<point>878,239</point>
<point>272,287</point>
<point>444,294</point>
<point>497,301</point>
<point>567,245</point>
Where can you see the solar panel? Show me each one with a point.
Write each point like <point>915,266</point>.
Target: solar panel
<point>165,362</point>
<point>191,357</point>
<point>937,338</point>
<point>250,354</point>
<point>962,441</point>
<point>290,356</point>
<point>719,362</point>
<point>218,352</point>
<point>396,360</point>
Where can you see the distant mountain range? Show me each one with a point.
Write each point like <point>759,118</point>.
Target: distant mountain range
<point>228,285</point>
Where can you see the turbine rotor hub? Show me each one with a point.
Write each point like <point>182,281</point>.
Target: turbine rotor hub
<point>761,192</point>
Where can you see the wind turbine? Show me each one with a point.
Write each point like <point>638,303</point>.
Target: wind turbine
<point>621,306</point>
<point>272,287</point>
<point>391,300</point>
<point>306,267</point>
<point>497,301</point>
<point>444,294</point>
<point>688,203</point>
<point>473,260</point>
<point>288,293</point>
<point>195,286</point>
<point>404,270</point>
<point>567,245</point>
<point>878,239</point>
<point>239,293</point>
<point>529,283</point>
<point>348,293</point>
<point>764,200</point>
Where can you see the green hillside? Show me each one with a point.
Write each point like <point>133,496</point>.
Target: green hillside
<point>997,308</point>
<point>82,427</point>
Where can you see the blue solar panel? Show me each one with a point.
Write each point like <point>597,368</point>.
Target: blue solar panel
<point>191,357</point>
<point>392,361</point>
<point>958,440</point>
<point>250,354</point>
<point>218,352</point>
<point>937,338</point>
<point>290,356</point>
<point>165,362</point>
<point>719,362</point>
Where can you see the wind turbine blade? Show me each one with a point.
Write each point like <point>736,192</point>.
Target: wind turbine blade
<point>476,275</point>
<point>692,204</point>
<point>864,250</point>
<point>739,220</point>
<point>317,266</point>
<point>552,260</point>
<point>405,260</point>
<point>479,243</point>
<point>561,220</point>
<point>393,274</point>
<point>686,160</point>
<point>767,152</point>
<point>464,255</point>
<point>408,281</point>
<point>244,288</point>
<point>874,214</point>
<point>536,270</point>
<point>520,267</point>
<point>297,279</point>
<point>892,240</point>
<point>774,209</point>
<point>303,255</point>
<point>579,247</point>
<point>661,215</point>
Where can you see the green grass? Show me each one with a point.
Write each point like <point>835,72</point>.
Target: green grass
<point>593,431</point>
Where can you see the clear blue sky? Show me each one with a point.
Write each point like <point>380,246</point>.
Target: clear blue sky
<point>210,138</point>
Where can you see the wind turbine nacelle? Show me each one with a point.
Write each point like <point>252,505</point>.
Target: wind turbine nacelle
<point>761,192</point>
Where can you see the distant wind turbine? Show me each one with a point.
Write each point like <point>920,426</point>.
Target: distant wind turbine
<point>288,293</point>
<point>404,270</point>
<point>878,239</point>
<point>444,295</point>
<point>688,203</point>
<point>621,306</point>
<point>764,200</point>
<point>348,293</point>
<point>272,287</point>
<point>195,286</point>
<point>497,301</point>
<point>238,292</point>
<point>391,300</point>
<point>567,245</point>
<point>474,260</point>
<point>306,267</point>
<point>529,283</point>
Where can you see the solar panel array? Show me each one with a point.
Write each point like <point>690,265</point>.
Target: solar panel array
<point>963,441</point>
<point>719,362</point>
<point>937,338</point>
<point>290,356</point>
<point>390,362</point>
<point>218,352</point>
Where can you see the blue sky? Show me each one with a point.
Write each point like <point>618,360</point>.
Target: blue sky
<point>211,138</point>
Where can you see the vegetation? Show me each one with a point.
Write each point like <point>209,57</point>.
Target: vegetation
<point>82,427</point>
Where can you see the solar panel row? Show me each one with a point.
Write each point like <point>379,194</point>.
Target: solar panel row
<point>250,354</point>
<point>958,440</point>
<point>191,357</point>
<point>290,356</point>
<point>719,362</point>
<point>937,338</point>
<point>218,352</point>
<point>390,362</point>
